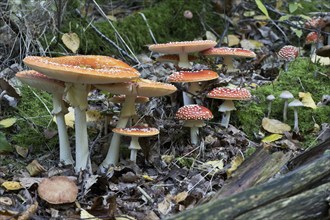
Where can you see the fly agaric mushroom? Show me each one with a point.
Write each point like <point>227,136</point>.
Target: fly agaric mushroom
<point>295,104</point>
<point>192,77</point>
<point>270,98</point>
<point>58,190</point>
<point>139,87</point>
<point>78,73</point>
<point>228,94</point>
<point>193,116</point>
<point>315,40</point>
<point>288,53</point>
<point>182,48</point>
<point>286,95</point>
<point>135,133</point>
<point>228,54</point>
<point>56,88</point>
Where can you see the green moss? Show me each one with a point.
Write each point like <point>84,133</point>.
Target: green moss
<point>165,19</point>
<point>33,119</point>
<point>303,76</point>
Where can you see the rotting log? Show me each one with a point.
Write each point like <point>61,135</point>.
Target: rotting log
<point>257,169</point>
<point>309,155</point>
<point>311,204</point>
<point>286,186</point>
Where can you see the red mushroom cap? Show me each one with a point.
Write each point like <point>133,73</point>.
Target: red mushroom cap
<point>288,53</point>
<point>313,37</point>
<point>315,23</point>
<point>193,76</point>
<point>193,112</point>
<point>227,51</point>
<point>229,93</point>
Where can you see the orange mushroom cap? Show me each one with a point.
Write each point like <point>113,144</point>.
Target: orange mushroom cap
<point>83,69</point>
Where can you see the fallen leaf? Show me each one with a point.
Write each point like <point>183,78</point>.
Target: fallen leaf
<point>6,201</point>
<point>233,40</point>
<point>71,41</point>
<point>148,178</point>
<point>35,168</point>
<point>8,122</point>
<point>22,151</point>
<point>210,36</point>
<point>307,100</point>
<point>180,197</point>
<point>234,164</point>
<point>272,138</point>
<point>251,44</point>
<point>12,185</point>
<point>164,206</point>
<point>85,215</point>
<point>275,126</point>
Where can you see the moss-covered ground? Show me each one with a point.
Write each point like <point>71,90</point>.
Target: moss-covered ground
<point>302,76</point>
<point>165,19</point>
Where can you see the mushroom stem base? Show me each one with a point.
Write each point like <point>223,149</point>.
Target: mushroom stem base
<point>134,147</point>
<point>225,119</point>
<point>194,131</point>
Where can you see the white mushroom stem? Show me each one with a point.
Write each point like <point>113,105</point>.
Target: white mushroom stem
<point>59,111</point>
<point>269,108</point>
<point>187,100</point>
<point>134,147</point>
<point>184,61</point>
<point>225,119</point>
<point>77,94</point>
<point>295,127</point>
<point>285,110</point>
<point>127,111</point>
<point>226,107</point>
<point>228,61</point>
<point>194,131</point>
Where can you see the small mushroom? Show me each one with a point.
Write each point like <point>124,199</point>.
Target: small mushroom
<point>270,98</point>
<point>315,40</point>
<point>295,104</point>
<point>288,53</point>
<point>194,116</point>
<point>286,95</point>
<point>135,133</point>
<point>228,94</point>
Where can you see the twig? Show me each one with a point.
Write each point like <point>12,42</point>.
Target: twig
<point>145,194</point>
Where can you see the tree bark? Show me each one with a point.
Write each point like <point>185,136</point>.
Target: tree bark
<point>258,168</point>
<point>254,198</point>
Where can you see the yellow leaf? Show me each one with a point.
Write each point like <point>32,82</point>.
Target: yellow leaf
<point>251,44</point>
<point>148,178</point>
<point>234,164</point>
<point>22,151</point>
<point>307,100</point>
<point>213,166</point>
<point>93,115</point>
<point>71,41</point>
<point>233,40</point>
<point>12,185</point>
<point>275,126</point>
<point>85,215</point>
<point>6,123</point>
<point>69,118</point>
<point>272,138</point>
